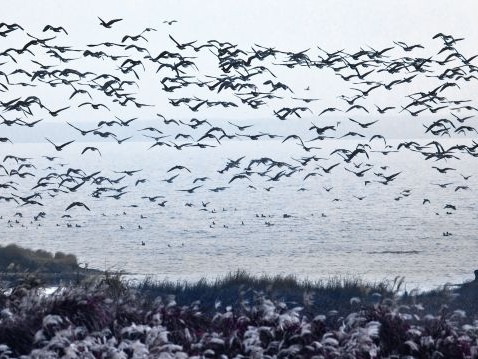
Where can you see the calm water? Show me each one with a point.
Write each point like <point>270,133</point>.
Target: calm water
<point>383,235</point>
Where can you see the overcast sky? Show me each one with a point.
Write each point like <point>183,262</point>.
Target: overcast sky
<point>286,25</point>
<point>283,23</point>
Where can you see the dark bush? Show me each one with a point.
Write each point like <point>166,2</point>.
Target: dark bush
<point>15,259</point>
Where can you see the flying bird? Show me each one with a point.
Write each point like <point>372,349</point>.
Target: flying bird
<point>77,204</point>
<point>91,148</point>
<point>108,24</point>
<point>60,147</point>
<point>54,29</point>
<point>190,190</point>
<point>179,167</point>
<point>55,113</point>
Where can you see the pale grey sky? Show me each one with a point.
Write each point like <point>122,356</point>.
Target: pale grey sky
<point>331,23</point>
<point>285,25</point>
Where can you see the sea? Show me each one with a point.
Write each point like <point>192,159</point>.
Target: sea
<point>329,225</point>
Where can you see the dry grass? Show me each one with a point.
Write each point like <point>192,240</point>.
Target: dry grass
<point>236,316</point>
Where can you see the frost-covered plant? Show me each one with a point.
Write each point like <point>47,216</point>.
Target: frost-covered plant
<point>109,318</point>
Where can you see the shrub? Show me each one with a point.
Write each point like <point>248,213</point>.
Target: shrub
<point>14,258</point>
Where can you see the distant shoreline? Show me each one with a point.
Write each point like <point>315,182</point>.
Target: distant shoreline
<point>20,265</point>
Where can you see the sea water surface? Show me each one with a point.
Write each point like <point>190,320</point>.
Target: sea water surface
<point>297,227</point>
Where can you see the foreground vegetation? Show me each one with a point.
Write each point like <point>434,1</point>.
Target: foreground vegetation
<point>237,316</point>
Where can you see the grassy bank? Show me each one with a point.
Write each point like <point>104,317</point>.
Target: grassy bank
<point>238,316</point>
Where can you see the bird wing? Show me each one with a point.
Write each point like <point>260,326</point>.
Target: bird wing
<point>111,22</point>
<point>50,141</point>
<point>67,143</point>
<point>177,43</point>
<point>71,206</point>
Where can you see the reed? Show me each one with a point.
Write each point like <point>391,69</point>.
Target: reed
<point>264,316</point>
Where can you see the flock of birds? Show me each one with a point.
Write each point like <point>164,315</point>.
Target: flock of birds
<point>246,80</point>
